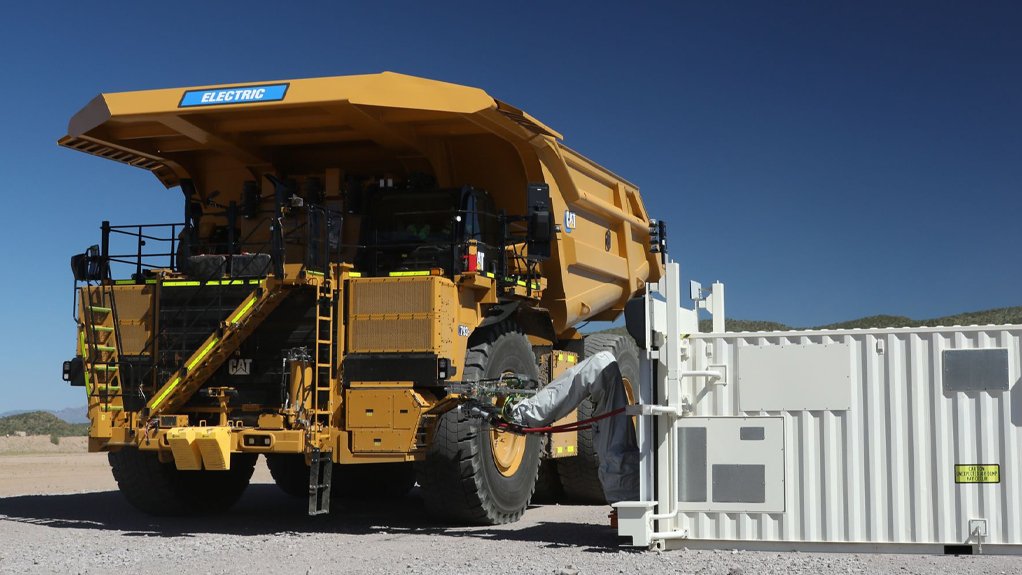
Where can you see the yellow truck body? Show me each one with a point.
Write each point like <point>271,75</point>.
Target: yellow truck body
<point>292,191</point>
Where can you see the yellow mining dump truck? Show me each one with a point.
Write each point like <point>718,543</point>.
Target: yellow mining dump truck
<point>357,255</point>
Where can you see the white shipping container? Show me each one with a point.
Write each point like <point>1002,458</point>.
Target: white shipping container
<point>898,437</point>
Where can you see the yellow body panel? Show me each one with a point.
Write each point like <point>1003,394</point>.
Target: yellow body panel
<point>215,445</point>
<point>564,444</point>
<point>186,451</point>
<point>383,420</point>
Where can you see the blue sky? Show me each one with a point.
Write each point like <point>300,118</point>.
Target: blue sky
<point>825,160</point>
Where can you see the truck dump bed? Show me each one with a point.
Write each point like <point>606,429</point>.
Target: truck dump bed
<point>385,125</point>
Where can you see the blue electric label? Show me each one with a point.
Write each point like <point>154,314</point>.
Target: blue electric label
<point>240,95</point>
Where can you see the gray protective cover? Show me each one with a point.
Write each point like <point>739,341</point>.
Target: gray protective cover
<point>597,377</point>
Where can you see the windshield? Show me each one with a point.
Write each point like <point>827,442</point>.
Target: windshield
<point>411,231</point>
<point>414,219</point>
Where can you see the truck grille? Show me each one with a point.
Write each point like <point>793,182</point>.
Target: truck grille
<point>400,314</point>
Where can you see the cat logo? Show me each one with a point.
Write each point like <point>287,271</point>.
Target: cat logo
<point>239,366</point>
<point>569,221</point>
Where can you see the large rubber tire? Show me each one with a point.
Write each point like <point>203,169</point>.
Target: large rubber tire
<point>161,489</point>
<point>289,472</point>
<point>460,480</point>
<point>579,475</point>
<point>372,480</point>
<point>548,484</point>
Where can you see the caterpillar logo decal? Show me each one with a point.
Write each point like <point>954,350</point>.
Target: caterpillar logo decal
<point>239,366</point>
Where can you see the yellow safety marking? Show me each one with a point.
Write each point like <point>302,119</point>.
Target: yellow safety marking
<point>202,354</point>
<point>124,282</point>
<point>572,359</point>
<point>560,357</point>
<point>244,310</point>
<point>571,448</point>
<point>559,449</point>
<point>209,283</point>
<point>978,473</point>
<point>313,273</point>
<point>408,274</point>
<point>488,274</point>
<point>191,364</point>
<point>159,399</point>
<point>354,274</point>
<point>88,387</point>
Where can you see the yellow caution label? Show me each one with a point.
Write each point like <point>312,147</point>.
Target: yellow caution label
<point>977,473</point>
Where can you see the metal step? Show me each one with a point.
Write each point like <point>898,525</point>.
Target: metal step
<point>321,469</point>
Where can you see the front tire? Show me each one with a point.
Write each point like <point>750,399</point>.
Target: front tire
<point>473,473</point>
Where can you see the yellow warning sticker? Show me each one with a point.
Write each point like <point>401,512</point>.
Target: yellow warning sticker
<point>977,473</point>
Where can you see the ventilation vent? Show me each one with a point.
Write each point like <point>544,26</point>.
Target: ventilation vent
<point>124,156</point>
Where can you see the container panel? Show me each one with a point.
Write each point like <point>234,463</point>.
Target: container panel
<point>884,470</point>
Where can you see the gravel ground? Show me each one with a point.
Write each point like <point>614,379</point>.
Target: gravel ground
<point>62,514</point>
<point>33,444</point>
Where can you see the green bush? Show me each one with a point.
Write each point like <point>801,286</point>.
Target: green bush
<point>41,423</point>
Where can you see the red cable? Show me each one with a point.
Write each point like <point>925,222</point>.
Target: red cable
<point>574,426</point>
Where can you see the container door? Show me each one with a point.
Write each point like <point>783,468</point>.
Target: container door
<point>730,464</point>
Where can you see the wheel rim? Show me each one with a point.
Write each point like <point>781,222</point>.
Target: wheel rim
<point>508,451</point>
<point>630,396</point>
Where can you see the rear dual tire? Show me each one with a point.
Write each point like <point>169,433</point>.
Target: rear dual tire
<point>579,476</point>
<point>162,489</point>
<point>356,481</point>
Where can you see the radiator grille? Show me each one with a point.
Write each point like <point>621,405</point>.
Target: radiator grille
<point>392,297</point>
<point>391,335</point>
<point>413,314</point>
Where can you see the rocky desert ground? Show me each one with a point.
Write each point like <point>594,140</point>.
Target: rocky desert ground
<point>61,513</point>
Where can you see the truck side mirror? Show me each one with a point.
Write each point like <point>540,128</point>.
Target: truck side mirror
<point>541,222</point>
<point>87,267</point>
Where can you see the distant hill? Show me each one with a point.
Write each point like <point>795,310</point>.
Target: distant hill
<point>997,316</point>
<point>68,414</point>
<point>1002,315</point>
<point>41,423</point>
<point>73,414</point>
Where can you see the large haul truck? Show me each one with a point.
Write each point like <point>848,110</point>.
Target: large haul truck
<point>357,255</point>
